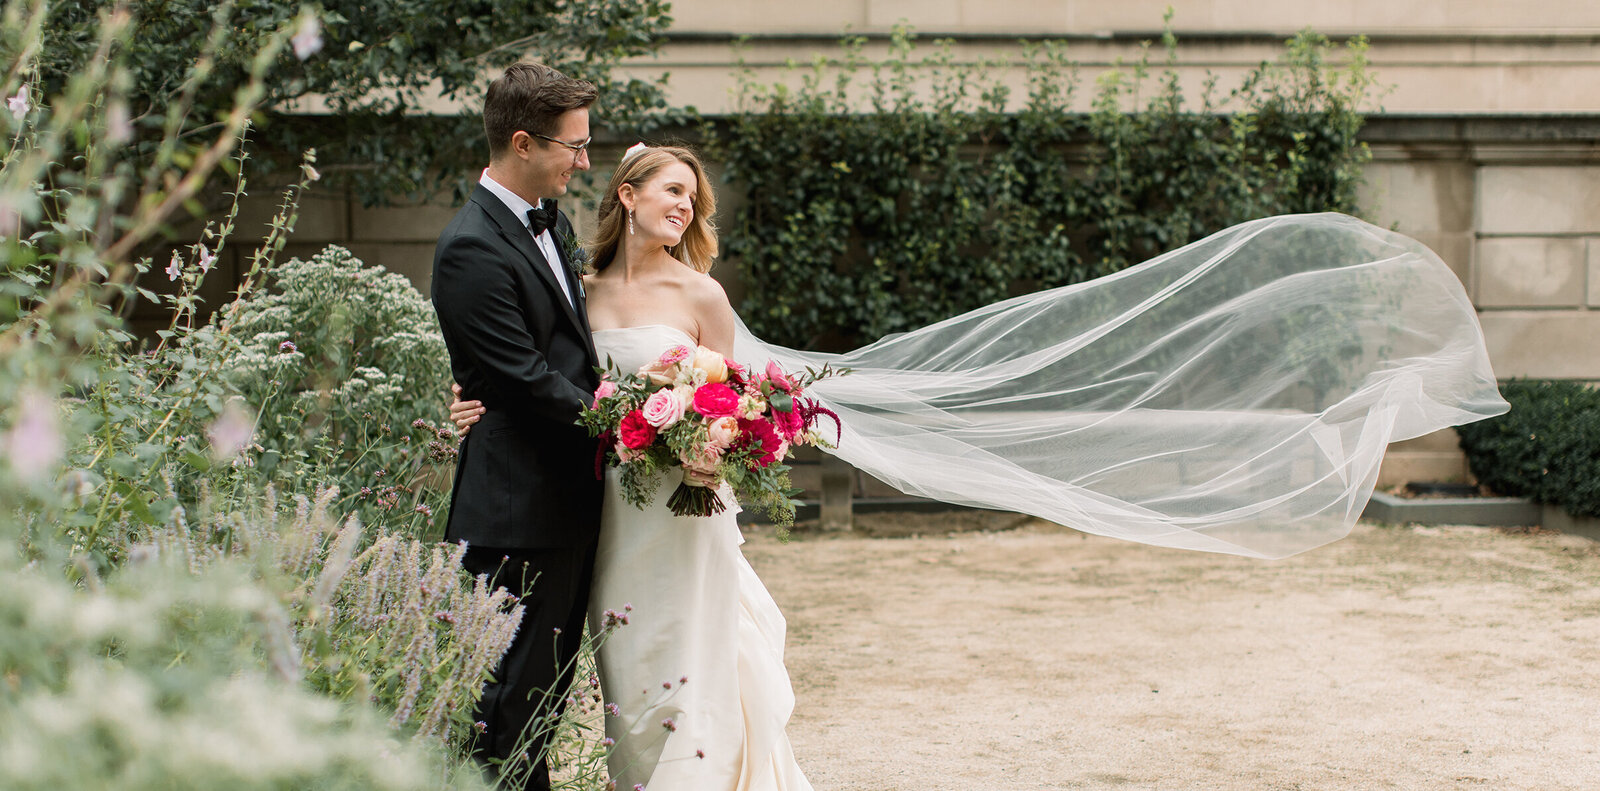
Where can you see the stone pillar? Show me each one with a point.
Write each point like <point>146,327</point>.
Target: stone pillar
<point>838,490</point>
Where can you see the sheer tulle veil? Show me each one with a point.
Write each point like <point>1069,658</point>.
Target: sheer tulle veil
<point>1235,395</point>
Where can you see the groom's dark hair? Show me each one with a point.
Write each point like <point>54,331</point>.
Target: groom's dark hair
<point>529,97</point>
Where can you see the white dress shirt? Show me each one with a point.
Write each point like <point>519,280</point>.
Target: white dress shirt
<point>546,242</point>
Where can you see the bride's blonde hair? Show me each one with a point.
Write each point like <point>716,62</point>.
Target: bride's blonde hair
<point>698,245</point>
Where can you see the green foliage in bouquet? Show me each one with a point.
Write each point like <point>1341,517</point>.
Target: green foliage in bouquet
<point>944,192</point>
<point>1547,448</point>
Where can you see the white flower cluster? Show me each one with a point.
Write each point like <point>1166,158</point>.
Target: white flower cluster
<point>334,349</point>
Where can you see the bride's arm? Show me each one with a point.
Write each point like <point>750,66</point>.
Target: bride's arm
<point>714,315</point>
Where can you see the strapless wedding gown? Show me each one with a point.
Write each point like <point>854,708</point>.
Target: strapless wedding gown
<point>697,675</point>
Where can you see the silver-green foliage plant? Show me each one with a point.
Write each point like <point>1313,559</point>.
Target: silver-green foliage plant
<point>379,617</point>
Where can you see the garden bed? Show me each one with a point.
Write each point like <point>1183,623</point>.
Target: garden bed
<point>1441,509</point>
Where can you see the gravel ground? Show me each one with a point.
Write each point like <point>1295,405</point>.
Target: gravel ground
<point>987,651</point>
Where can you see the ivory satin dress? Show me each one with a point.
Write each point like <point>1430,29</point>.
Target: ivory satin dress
<point>698,613</point>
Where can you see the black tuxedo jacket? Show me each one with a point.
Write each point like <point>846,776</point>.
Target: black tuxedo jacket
<point>525,478</point>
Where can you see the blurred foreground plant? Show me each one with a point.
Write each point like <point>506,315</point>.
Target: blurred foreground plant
<point>165,622</point>
<point>155,677</point>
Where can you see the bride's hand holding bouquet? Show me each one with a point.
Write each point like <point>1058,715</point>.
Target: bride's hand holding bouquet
<point>717,420</point>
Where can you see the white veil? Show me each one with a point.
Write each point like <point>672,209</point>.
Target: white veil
<point>1235,395</point>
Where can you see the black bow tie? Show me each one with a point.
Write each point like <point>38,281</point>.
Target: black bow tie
<point>540,218</point>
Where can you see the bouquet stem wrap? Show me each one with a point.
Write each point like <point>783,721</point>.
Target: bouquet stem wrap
<point>691,499</point>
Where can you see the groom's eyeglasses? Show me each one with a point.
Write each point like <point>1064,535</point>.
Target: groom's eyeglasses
<point>577,148</point>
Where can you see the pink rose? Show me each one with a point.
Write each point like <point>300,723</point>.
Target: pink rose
<point>789,424</point>
<point>662,408</point>
<point>716,400</point>
<point>778,378</point>
<point>606,389</point>
<point>703,460</point>
<point>635,432</point>
<point>723,431</point>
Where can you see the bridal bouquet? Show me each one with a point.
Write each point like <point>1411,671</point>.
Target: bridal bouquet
<point>720,422</point>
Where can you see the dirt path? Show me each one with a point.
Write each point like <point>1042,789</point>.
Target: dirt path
<point>1038,658</point>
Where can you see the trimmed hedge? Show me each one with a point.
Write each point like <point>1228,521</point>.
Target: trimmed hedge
<point>1547,448</point>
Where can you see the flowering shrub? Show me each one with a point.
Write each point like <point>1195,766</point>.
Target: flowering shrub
<point>383,618</point>
<point>342,361</point>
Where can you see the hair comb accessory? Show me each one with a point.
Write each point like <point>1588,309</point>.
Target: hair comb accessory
<point>636,148</point>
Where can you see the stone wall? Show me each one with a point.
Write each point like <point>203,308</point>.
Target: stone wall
<point>1513,205</point>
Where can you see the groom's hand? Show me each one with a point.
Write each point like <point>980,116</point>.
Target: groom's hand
<point>463,413</point>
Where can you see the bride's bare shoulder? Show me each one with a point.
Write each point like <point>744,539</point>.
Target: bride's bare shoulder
<point>705,293</point>
<point>700,288</point>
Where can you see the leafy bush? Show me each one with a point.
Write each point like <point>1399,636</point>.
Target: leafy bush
<point>1547,448</point>
<point>379,69</point>
<point>859,224</point>
<point>344,363</point>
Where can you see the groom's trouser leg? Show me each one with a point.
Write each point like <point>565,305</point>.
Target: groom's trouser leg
<point>532,679</point>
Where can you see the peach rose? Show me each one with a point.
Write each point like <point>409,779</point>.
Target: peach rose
<point>723,431</point>
<point>713,363</point>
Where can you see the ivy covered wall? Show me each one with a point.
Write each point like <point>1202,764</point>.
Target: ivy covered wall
<point>937,199</point>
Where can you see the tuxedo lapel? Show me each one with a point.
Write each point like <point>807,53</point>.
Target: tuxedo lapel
<point>518,235</point>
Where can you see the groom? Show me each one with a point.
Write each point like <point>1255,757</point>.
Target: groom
<point>525,500</point>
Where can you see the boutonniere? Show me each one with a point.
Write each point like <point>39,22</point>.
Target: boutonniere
<point>577,257</point>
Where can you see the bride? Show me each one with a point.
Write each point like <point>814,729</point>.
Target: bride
<point>696,691</point>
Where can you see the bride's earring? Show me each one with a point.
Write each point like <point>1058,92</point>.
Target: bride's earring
<point>630,222</point>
